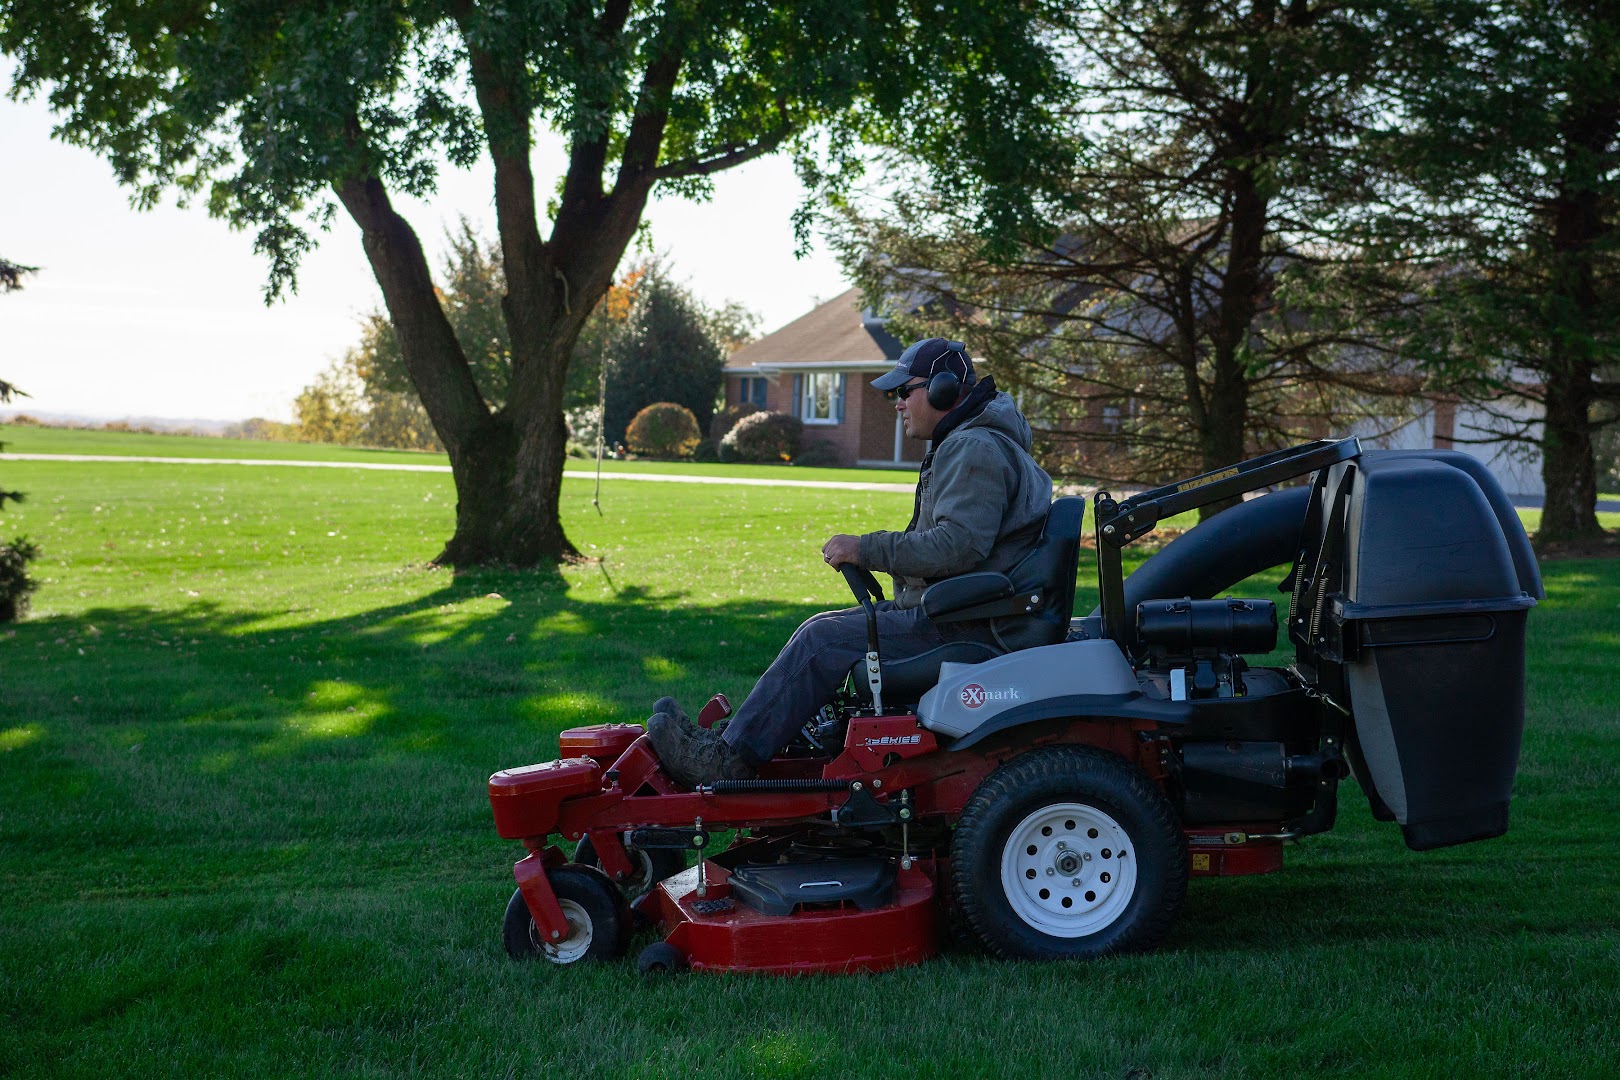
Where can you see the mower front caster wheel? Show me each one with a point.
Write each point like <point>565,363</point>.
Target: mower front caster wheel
<point>1068,853</point>
<point>661,958</point>
<point>597,913</point>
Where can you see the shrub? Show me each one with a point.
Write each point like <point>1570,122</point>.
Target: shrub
<point>707,450</point>
<point>727,418</point>
<point>15,584</point>
<point>819,454</point>
<point>763,436</point>
<point>663,429</point>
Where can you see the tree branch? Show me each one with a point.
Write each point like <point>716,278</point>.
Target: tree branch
<point>736,155</point>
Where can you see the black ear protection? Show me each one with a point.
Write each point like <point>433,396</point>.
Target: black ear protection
<point>944,386</point>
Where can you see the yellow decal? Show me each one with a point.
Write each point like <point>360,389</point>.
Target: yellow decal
<point>1200,862</point>
<point>1224,474</point>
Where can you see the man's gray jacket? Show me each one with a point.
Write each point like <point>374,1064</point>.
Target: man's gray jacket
<point>981,500</point>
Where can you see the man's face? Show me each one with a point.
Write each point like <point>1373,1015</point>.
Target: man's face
<point>917,417</point>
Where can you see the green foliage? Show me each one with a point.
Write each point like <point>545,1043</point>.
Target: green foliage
<point>277,115</point>
<point>762,437</point>
<point>725,419</point>
<point>664,352</point>
<point>1507,150</point>
<point>350,405</point>
<point>1171,309</point>
<point>663,429</point>
<point>819,454</point>
<point>15,584</point>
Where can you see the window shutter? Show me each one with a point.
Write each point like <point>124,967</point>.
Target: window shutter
<point>838,399</point>
<point>798,395</point>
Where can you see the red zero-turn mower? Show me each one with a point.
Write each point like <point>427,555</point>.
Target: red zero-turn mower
<point>1057,793</point>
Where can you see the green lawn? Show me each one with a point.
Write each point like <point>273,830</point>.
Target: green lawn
<point>243,829</point>
<point>37,440</point>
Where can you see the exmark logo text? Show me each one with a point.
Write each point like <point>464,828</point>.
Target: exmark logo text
<point>894,740</point>
<point>974,695</point>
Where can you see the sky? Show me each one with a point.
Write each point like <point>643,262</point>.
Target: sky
<point>161,313</point>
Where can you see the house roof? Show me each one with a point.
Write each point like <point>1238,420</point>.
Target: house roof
<point>838,333</point>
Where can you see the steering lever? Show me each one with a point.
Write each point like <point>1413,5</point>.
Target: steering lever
<point>866,588</point>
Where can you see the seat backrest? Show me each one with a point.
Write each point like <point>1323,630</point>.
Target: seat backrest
<point>1050,568</point>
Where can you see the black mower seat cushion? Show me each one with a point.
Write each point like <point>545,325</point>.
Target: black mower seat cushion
<point>908,680</point>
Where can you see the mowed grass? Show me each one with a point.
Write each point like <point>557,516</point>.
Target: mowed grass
<point>243,829</point>
<point>39,440</point>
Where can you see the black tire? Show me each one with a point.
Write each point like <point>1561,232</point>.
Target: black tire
<point>598,918</point>
<point>661,958</point>
<point>656,864</point>
<point>1098,843</point>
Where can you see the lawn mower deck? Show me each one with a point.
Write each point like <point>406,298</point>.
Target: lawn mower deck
<point>1054,798</point>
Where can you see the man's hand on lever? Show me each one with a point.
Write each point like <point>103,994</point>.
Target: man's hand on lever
<point>841,549</point>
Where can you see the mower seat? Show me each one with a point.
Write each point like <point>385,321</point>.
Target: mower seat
<point>1027,607</point>
<point>909,679</point>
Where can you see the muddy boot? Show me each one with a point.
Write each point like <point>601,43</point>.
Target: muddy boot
<point>692,756</point>
<point>667,704</point>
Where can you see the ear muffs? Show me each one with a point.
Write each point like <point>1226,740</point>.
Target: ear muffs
<point>945,386</point>
<point>943,389</point>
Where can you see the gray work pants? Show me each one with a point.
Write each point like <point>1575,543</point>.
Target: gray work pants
<point>813,666</point>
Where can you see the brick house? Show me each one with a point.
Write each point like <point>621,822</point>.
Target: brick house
<point>819,367</point>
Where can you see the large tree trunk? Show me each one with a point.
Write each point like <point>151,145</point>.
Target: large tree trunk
<point>1223,436</point>
<point>1568,467</point>
<point>508,463</point>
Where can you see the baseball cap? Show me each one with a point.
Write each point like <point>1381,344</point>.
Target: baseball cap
<point>925,359</point>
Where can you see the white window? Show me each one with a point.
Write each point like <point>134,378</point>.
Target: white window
<point>822,398</point>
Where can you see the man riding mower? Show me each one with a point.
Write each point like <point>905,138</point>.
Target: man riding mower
<point>1055,779</point>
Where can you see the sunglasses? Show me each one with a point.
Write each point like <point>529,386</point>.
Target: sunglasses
<point>901,393</point>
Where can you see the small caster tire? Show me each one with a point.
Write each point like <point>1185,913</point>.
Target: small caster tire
<point>597,913</point>
<point>661,958</point>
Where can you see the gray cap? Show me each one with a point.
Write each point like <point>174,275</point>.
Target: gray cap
<point>925,359</point>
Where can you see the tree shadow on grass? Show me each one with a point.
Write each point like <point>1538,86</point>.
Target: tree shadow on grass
<point>138,725</point>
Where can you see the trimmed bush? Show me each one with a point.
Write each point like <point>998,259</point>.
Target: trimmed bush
<point>764,437</point>
<point>819,454</point>
<point>15,584</point>
<point>663,429</point>
<point>727,418</point>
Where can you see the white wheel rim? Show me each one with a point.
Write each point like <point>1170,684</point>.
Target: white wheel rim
<point>641,882</point>
<point>572,947</point>
<point>1068,870</point>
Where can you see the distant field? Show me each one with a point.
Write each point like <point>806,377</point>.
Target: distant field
<point>33,440</point>
<point>243,829</point>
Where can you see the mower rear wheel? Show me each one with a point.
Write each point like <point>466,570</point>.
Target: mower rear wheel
<point>1068,853</point>
<point>650,866</point>
<point>597,913</point>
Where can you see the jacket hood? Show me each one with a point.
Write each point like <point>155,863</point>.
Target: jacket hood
<point>987,407</point>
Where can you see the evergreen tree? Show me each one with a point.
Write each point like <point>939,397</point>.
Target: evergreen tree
<point>1188,302</point>
<point>664,351</point>
<point>1509,147</point>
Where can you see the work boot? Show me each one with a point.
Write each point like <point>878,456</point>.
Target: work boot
<point>693,756</point>
<point>667,704</point>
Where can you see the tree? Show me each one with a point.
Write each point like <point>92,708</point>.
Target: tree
<point>1188,301</point>
<point>280,115</point>
<point>1509,144</point>
<point>11,275</point>
<point>663,351</point>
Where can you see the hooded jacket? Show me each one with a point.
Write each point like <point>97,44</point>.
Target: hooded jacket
<point>981,500</point>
